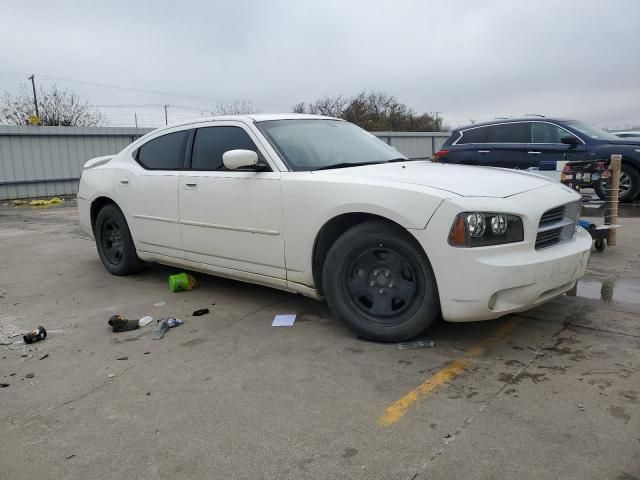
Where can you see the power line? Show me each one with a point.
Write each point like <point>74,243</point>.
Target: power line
<point>132,89</point>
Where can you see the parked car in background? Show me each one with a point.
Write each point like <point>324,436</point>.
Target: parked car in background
<point>635,134</point>
<point>524,142</point>
<point>318,206</point>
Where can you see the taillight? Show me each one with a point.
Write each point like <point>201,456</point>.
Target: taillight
<point>439,154</point>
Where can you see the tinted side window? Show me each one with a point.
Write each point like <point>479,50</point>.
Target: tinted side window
<point>509,133</point>
<point>547,133</point>
<point>474,135</point>
<point>163,153</point>
<point>211,142</point>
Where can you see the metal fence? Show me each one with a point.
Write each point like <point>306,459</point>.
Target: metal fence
<point>414,144</point>
<point>47,161</point>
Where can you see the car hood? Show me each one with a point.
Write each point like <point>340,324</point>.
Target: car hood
<point>463,180</point>
<point>631,141</point>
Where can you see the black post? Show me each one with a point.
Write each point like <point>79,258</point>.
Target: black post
<point>165,115</point>
<point>35,99</point>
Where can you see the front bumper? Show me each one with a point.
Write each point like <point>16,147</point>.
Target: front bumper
<point>488,282</point>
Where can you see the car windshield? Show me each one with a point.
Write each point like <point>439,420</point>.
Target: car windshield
<point>592,132</point>
<point>324,144</point>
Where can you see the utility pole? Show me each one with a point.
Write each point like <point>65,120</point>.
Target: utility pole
<point>166,122</point>
<point>135,118</point>
<point>35,99</point>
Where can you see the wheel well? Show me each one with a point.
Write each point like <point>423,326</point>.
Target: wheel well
<point>330,232</point>
<point>96,206</point>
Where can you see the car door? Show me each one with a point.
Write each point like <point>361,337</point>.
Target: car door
<point>148,193</point>
<point>231,219</point>
<point>465,148</point>
<point>505,147</point>
<point>546,144</point>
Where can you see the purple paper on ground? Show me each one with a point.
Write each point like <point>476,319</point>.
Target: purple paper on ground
<point>283,321</point>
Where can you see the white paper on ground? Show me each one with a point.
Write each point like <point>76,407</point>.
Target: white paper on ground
<point>144,321</point>
<point>283,321</point>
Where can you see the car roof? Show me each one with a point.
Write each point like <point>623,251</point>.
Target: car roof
<point>254,117</point>
<point>515,120</point>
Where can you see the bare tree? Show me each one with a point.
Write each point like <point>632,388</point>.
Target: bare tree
<point>237,107</point>
<point>56,108</point>
<point>300,108</point>
<point>373,111</point>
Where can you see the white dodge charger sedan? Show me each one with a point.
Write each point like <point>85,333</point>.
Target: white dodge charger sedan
<point>318,206</point>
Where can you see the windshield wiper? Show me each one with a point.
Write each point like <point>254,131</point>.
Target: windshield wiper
<point>345,165</point>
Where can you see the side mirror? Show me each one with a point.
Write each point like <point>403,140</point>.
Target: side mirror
<point>236,159</point>
<point>569,140</point>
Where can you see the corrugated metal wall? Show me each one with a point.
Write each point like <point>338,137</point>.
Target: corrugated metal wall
<point>47,161</point>
<point>414,144</point>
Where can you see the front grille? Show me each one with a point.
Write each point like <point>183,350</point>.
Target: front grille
<point>557,225</point>
<point>552,216</point>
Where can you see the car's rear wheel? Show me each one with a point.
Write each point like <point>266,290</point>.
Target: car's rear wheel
<point>379,282</point>
<point>113,240</point>
<point>629,185</point>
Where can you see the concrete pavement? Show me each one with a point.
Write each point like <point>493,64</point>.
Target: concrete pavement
<point>551,393</point>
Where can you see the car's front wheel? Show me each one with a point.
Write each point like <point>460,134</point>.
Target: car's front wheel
<point>379,282</point>
<point>113,240</point>
<point>629,185</point>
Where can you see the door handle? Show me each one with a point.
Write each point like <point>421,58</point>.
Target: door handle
<point>484,151</point>
<point>534,153</point>
<point>124,182</point>
<point>190,186</point>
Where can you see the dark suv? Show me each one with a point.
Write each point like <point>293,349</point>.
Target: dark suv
<point>525,142</point>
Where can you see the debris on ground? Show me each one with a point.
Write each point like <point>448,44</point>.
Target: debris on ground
<point>39,202</point>
<point>111,375</point>
<point>180,282</point>
<point>35,335</point>
<point>416,345</point>
<point>200,312</point>
<point>122,358</point>
<point>581,407</point>
<point>122,324</point>
<point>283,321</point>
<point>148,393</point>
<point>70,456</point>
<point>160,304</point>
<point>46,355</point>
<point>163,325</point>
<point>144,321</point>
<point>5,344</point>
<point>147,353</point>
<point>4,385</point>
<point>29,375</point>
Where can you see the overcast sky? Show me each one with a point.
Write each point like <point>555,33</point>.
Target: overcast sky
<point>466,59</point>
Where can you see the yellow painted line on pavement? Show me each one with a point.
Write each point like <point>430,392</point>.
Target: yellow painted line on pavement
<point>398,409</point>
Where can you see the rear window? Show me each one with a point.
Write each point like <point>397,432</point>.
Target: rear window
<point>474,135</point>
<point>163,153</point>
<point>509,133</point>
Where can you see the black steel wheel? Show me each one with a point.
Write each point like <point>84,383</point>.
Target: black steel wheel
<point>382,283</point>
<point>379,282</point>
<point>113,240</point>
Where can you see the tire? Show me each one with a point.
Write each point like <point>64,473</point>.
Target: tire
<point>631,177</point>
<point>380,253</point>
<point>600,245</point>
<point>115,245</point>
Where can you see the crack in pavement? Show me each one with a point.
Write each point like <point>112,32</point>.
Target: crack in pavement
<point>469,420</point>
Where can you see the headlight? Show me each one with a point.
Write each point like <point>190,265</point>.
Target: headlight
<point>480,229</point>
